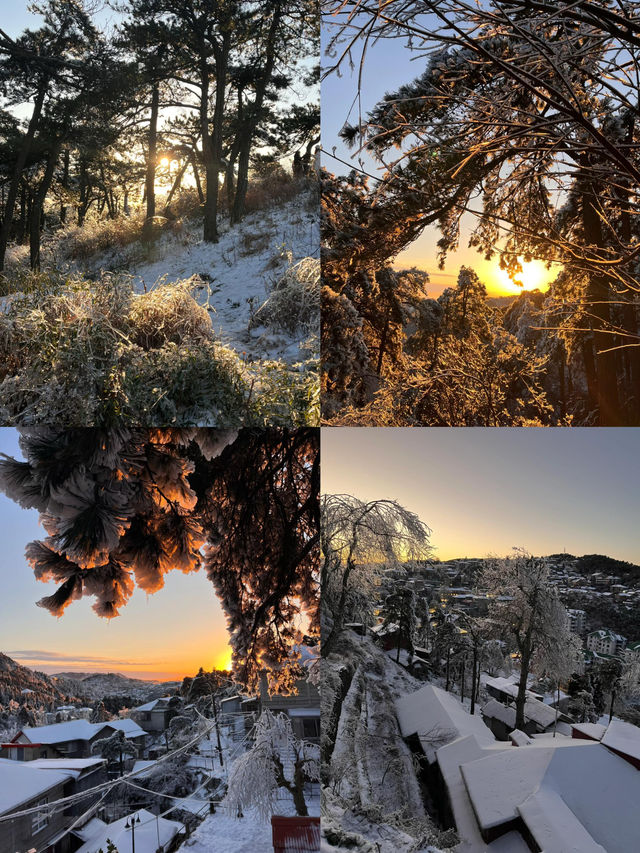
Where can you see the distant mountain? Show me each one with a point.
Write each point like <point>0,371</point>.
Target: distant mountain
<point>96,685</point>
<point>26,697</point>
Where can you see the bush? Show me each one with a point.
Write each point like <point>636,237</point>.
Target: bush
<point>92,353</point>
<point>294,302</point>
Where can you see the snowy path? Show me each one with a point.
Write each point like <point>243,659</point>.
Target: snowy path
<point>237,273</point>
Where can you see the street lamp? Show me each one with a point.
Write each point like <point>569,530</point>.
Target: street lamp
<point>132,826</point>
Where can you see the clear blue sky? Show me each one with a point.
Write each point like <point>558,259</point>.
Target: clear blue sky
<point>169,634</point>
<point>483,491</point>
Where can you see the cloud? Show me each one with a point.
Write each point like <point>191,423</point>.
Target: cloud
<point>58,657</point>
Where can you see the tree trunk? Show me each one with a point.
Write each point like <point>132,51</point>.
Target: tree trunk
<point>521,698</point>
<point>212,138</point>
<point>298,791</point>
<point>21,159</point>
<point>248,131</point>
<point>152,156</point>
<point>598,303</point>
<point>65,185</point>
<point>35,224</point>
<point>175,186</point>
<point>196,178</point>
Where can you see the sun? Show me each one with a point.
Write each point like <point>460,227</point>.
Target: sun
<point>534,276</point>
<point>223,660</point>
<point>164,162</point>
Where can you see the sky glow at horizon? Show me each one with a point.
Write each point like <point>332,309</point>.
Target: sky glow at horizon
<point>388,65</point>
<point>485,491</point>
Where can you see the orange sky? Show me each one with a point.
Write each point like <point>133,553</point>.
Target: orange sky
<point>423,254</point>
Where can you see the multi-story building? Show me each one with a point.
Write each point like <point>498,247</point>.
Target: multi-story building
<point>606,642</point>
<point>577,621</point>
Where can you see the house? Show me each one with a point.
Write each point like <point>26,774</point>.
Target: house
<point>539,717</point>
<point>557,795</point>
<point>37,783</point>
<point>302,707</point>
<point>23,787</point>
<point>624,740</point>
<point>154,716</point>
<point>152,834</point>
<point>506,689</point>
<point>577,621</point>
<point>72,739</point>
<point>605,642</point>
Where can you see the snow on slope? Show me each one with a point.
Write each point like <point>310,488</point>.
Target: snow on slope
<point>234,276</point>
<point>373,799</point>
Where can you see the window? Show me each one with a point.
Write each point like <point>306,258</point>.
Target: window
<point>311,728</point>
<point>40,819</point>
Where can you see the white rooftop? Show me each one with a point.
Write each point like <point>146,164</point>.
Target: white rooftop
<point>151,833</point>
<point>78,730</point>
<point>438,717</point>
<point>20,783</point>
<point>623,737</point>
<point>580,795</point>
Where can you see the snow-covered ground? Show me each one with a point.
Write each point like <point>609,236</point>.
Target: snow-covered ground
<point>223,830</point>
<point>233,277</point>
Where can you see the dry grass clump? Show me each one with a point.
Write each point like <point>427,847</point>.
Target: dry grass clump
<point>83,243</point>
<point>276,187</point>
<point>93,353</point>
<point>87,355</point>
<point>168,314</point>
<point>294,302</point>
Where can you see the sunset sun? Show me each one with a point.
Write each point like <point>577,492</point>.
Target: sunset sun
<point>534,276</point>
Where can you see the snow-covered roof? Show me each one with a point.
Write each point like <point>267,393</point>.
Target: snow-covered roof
<point>148,831</point>
<point>623,737</point>
<point>76,764</point>
<point>595,731</point>
<point>78,730</point>
<point>126,725</point>
<point>580,795</point>
<point>438,717</point>
<point>534,710</point>
<point>450,757</point>
<point>519,738</point>
<point>20,783</point>
<point>155,703</point>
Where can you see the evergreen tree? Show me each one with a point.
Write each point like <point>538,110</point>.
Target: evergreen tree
<point>124,506</point>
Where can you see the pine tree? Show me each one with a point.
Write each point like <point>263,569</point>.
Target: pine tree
<point>122,507</point>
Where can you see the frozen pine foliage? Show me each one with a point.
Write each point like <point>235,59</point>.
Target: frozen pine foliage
<point>124,506</point>
<point>278,761</point>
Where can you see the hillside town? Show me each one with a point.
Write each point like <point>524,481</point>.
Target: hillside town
<point>168,774</point>
<point>469,705</point>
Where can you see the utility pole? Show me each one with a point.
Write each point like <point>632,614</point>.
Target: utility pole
<point>215,717</point>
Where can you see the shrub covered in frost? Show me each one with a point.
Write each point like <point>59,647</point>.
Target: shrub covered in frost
<point>90,353</point>
<point>294,302</point>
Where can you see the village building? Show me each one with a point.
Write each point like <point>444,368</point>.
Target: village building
<point>154,716</point>
<point>149,833</point>
<point>539,792</point>
<point>72,739</point>
<point>605,642</point>
<point>24,786</point>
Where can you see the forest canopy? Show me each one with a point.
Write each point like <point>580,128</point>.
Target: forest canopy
<point>524,121</point>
